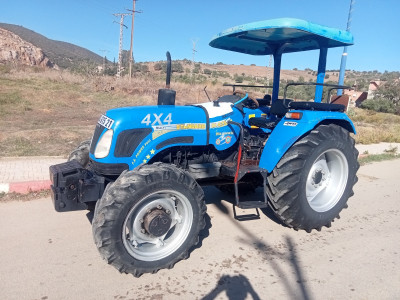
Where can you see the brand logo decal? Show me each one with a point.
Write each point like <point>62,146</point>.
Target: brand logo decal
<point>292,124</point>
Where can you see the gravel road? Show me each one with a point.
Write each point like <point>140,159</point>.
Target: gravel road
<point>49,255</point>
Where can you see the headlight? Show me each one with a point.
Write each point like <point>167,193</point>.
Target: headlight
<point>104,144</point>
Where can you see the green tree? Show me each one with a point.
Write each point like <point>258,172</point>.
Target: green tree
<point>390,91</point>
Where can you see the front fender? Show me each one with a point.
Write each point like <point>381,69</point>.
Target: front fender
<point>288,131</point>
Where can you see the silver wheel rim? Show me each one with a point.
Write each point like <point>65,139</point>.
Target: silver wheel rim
<point>327,180</point>
<point>146,247</point>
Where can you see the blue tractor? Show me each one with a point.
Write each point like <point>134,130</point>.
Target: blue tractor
<point>143,170</point>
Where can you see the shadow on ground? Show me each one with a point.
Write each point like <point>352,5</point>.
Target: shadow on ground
<point>238,287</point>
<point>250,196</point>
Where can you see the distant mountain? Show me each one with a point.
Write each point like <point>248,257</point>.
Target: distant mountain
<point>65,55</point>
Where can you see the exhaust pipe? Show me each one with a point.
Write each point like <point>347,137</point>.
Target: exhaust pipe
<point>167,96</point>
<point>169,71</point>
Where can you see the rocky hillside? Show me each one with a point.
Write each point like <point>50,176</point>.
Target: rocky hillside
<point>17,51</point>
<point>64,55</point>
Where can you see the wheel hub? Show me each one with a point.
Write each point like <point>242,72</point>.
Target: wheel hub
<point>318,177</point>
<point>157,222</point>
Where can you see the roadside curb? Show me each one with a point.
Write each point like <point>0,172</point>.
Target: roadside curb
<point>25,187</point>
<point>38,168</point>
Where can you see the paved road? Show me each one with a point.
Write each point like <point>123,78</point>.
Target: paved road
<point>49,255</point>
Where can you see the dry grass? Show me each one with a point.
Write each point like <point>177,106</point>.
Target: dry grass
<point>377,158</point>
<point>50,112</point>
<point>373,127</point>
<point>23,197</point>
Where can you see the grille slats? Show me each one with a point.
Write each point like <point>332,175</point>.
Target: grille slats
<point>128,140</point>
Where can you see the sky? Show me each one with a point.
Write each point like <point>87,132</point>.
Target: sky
<point>174,25</point>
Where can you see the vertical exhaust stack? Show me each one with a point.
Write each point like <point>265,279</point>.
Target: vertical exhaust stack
<point>167,96</point>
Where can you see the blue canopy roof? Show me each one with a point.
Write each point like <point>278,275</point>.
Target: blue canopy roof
<point>266,37</point>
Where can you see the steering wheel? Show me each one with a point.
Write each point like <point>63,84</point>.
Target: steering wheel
<point>254,102</point>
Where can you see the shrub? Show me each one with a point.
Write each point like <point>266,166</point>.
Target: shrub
<point>238,78</point>
<point>176,66</point>
<point>379,105</point>
<point>158,66</point>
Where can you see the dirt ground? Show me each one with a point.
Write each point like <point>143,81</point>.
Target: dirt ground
<point>49,255</point>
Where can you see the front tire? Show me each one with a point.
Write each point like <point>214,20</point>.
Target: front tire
<point>312,182</point>
<point>81,153</point>
<point>149,219</point>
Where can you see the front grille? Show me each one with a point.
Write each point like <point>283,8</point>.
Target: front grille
<point>128,140</point>
<point>107,169</point>
<point>96,135</point>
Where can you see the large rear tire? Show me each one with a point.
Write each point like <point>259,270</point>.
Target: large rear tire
<point>312,182</point>
<point>149,219</point>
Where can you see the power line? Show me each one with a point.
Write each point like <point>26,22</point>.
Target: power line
<point>344,55</point>
<point>268,71</point>
<point>121,33</point>
<point>104,59</point>
<point>194,42</point>
<point>133,11</point>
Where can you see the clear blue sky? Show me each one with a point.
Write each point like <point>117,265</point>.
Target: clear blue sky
<point>172,25</point>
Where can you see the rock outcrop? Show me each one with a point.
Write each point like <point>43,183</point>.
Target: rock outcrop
<point>13,49</point>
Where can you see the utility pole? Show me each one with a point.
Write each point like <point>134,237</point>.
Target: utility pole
<point>344,55</point>
<point>194,42</point>
<point>121,33</point>
<point>133,11</point>
<point>268,71</point>
<point>104,59</point>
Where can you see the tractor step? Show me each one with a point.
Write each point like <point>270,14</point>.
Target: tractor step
<point>252,204</point>
<point>246,217</point>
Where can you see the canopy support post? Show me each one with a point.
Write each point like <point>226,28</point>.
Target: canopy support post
<point>323,52</point>
<point>277,75</point>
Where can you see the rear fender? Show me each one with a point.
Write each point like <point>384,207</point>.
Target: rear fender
<point>288,131</point>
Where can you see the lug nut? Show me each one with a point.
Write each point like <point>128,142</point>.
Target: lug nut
<point>141,221</point>
<point>168,211</point>
<point>159,206</point>
<point>143,231</point>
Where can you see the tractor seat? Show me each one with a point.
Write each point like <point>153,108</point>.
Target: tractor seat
<point>317,106</point>
<point>266,101</point>
<point>277,109</point>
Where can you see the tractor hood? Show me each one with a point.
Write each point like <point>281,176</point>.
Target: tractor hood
<point>130,136</point>
<point>129,126</point>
